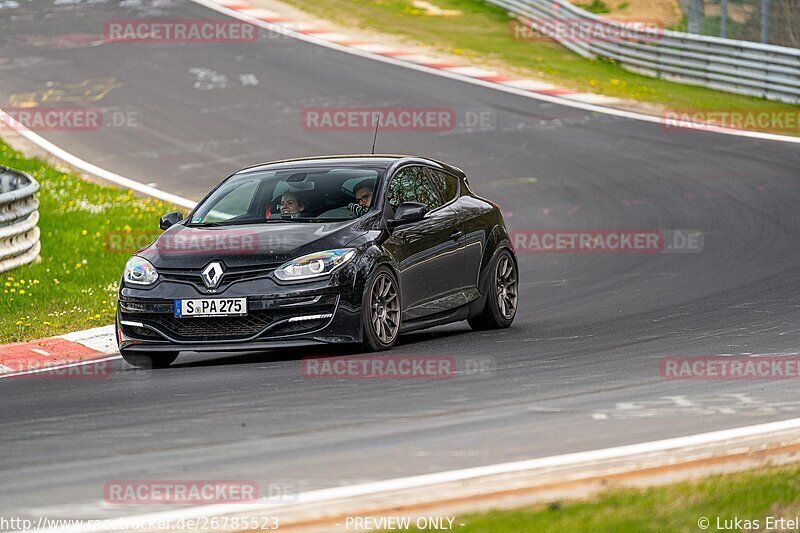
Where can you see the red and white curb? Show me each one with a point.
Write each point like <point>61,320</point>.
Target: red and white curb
<point>281,22</point>
<point>43,355</point>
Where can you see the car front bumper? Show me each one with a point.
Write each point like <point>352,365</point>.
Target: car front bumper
<point>278,316</point>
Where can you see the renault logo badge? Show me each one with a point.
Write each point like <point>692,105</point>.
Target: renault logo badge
<point>212,275</point>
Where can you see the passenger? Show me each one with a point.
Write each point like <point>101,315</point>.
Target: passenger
<point>292,204</point>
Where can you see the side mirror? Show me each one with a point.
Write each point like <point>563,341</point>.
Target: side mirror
<point>170,219</point>
<point>408,212</point>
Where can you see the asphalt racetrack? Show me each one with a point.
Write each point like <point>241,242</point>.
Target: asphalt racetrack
<point>579,369</point>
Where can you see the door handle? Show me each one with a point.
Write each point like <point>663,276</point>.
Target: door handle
<point>456,235</point>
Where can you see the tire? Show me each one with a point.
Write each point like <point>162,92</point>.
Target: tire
<point>380,311</point>
<point>502,296</point>
<point>156,360</point>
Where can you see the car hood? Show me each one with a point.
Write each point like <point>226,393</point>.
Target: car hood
<point>248,245</point>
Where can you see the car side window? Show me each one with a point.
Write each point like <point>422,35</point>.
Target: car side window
<point>411,184</point>
<point>446,184</point>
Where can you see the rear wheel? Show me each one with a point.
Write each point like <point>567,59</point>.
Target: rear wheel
<point>155,360</point>
<point>501,300</point>
<point>381,311</point>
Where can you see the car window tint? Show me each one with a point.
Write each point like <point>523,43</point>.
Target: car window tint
<point>446,184</point>
<point>235,203</point>
<point>411,184</point>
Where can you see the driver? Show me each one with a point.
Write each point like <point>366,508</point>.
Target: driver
<point>292,204</point>
<point>363,193</point>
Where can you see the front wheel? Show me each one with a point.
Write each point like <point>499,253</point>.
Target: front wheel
<point>381,311</point>
<point>501,300</point>
<point>155,360</point>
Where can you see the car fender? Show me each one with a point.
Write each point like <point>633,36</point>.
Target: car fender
<point>487,267</point>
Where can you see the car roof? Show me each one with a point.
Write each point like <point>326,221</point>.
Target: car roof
<point>381,160</point>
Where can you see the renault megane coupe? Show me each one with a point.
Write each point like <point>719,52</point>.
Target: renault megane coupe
<point>340,249</point>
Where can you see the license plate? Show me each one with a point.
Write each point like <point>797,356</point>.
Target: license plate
<point>202,307</point>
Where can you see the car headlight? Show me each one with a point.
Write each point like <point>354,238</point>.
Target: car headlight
<point>314,265</point>
<point>140,271</point>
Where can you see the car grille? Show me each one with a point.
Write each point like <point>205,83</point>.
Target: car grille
<point>211,327</point>
<point>229,276</point>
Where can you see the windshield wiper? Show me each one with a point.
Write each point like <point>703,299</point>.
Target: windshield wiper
<point>205,225</point>
<point>267,221</point>
<point>308,220</point>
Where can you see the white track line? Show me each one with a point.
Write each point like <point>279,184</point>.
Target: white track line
<point>426,480</point>
<point>81,164</point>
<point>508,88</point>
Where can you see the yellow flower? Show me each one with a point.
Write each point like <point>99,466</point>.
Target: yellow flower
<point>84,232</point>
<point>22,291</point>
<point>55,281</point>
<point>615,82</point>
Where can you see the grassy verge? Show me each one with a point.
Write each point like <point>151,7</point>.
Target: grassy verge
<point>482,33</point>
<point>752,495</point>
<point>88,233</point>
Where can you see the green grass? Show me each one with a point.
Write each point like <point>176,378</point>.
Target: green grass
<point>750,495</point>
<point>482,34</point>
<point>88,233</point>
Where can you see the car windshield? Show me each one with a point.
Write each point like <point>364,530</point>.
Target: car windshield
<point>313,194</point>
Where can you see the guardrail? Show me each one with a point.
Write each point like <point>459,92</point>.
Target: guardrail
<point>741,67</point>
<point>19,214</point>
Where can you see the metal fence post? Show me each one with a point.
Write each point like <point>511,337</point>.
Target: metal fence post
<point>723,21</point>
<point>19,214</point>
<point>695,14</point>
<point>765,21</point>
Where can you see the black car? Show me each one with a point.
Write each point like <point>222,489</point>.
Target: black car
<point>340,249</point>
